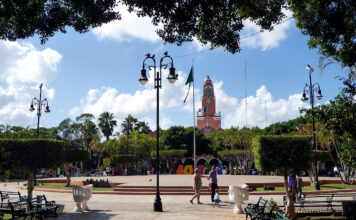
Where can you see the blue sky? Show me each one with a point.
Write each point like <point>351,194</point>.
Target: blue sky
<point>98,71</point>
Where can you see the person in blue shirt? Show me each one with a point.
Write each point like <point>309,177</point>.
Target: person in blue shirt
<point>290,180</point>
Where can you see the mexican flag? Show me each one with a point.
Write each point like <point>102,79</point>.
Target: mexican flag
<point>203,109</point>
<point>189,81</point>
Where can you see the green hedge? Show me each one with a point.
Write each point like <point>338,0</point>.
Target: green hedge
<point>227,153</point>
<point>121,159</point>
<point>31,154</point>
<point>322,156</point>
<point>169,153</point>
<point>282,153</point>
<point>106,162</point>
<point>73,155</point>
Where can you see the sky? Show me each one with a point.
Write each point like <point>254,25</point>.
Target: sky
<point>98,71</point>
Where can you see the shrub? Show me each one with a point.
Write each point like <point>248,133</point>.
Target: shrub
<point>106,162</point>
<point>169,153</point>
<point>121,159</point>
<point>282,153</point>
<point>31,154</point>
<point>286,154</point>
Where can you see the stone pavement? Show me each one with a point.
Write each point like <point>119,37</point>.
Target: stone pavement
<point>141,207</point>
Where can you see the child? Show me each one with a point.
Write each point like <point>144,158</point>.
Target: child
<point>216,198</point>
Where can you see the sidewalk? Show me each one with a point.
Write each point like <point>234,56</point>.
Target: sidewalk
<point>137,207</point>
<point>141,207</point>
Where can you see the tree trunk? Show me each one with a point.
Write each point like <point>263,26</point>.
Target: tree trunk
<point>99,160</point>
<point>30,184</point>
<point>345,175</point>
<point>345,178</point>
<point>68,171</point>
<point>290,201</point>
<point>68,178</point>
<point>311,175</point>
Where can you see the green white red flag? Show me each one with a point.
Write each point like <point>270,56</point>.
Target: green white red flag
<point>189,81</point>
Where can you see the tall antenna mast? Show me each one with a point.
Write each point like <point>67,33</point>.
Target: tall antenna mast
<point>245,92</point>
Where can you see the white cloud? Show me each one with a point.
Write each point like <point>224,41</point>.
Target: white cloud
<point>131,26</point>
<point>200,46</point>
<point>267,39</point>
<point>23,68</point>
<point>141,104</point>
<point>263,110</point>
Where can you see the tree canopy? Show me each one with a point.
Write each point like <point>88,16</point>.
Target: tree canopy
<point>284,153</point>
<point>31,154</point>
<point>329,23</point>
<point>215,22</point>
<point>287,154</point>
<point>339,116</point>
<point>331,26</point>
<point>22,19</point>
<point>181,138</point>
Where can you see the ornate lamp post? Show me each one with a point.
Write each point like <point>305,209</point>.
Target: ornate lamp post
<point>172,77</point>
<point>312,89</point>
<point>39,103</point>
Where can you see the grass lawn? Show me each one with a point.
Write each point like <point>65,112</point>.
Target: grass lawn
<point>8,216</point>
<point>62,186</point>
<point>327,217</point>
<point>311,187</point>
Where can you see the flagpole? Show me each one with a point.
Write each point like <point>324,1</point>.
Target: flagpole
<point>195,165</point>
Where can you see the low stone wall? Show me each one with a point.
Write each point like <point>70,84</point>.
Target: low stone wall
<point>280,184</point>
<point>102,184</point>
<point>80,182</point>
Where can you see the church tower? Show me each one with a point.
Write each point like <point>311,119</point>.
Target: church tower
<point>207,118</point>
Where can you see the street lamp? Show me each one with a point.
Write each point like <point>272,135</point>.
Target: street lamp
<point>172,77</point>
<point>312,89</point>
<point>39,103</point>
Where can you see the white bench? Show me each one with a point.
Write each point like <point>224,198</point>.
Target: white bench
<point>81,195</point>
<point>238,194</point>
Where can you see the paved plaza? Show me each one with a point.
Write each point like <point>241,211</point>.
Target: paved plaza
<point>140,207</point>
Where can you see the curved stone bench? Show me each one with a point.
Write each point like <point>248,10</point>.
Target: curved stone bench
<point>81,195</point>
<point>238,194</point>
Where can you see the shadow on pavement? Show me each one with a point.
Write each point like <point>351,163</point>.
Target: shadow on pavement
<point>92,214</point>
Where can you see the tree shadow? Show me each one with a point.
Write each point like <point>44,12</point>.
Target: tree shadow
<point>89,215</point>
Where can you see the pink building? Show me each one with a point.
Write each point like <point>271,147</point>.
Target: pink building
<point>208,120</point>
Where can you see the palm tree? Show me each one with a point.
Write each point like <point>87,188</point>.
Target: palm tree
<point>5,130</point>
<point>143,127</point>
<point>97,147</point>
<point>107,124</point>
<point>65,131</point>
<point>128,125</point>
<point>86,129</point>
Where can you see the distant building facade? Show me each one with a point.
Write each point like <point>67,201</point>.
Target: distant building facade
<point>208,120</point>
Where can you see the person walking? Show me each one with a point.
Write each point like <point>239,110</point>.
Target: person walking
<point>197,185</point>
<point>299,182</point>
<point>336,171</point>
<point>213,180</point>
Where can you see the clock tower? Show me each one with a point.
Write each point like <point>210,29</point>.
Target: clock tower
<point>207,118</point>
